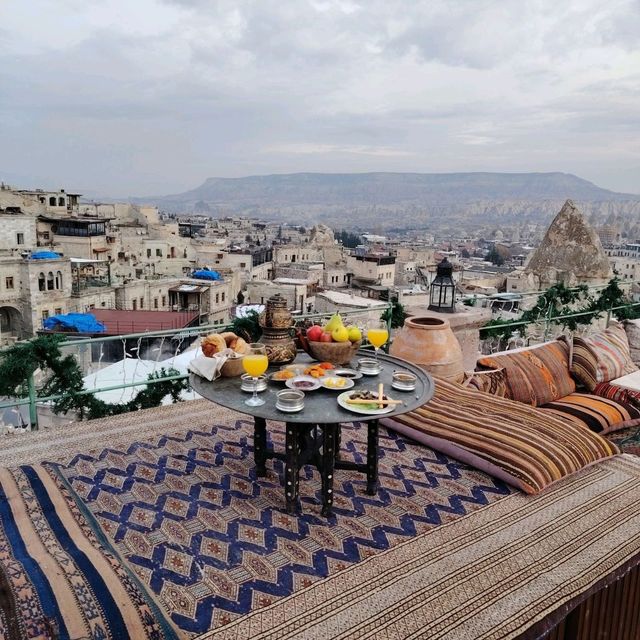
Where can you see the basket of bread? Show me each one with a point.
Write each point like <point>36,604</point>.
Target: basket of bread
<point>231,345</point>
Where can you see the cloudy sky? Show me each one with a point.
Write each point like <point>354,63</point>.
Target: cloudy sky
<point>140,97</point>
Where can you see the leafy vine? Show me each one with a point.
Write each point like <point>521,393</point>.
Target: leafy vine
<point>19,362</point>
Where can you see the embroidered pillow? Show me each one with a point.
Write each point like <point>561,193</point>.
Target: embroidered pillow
<point>602,357</point>
<point>535,376</point>
<point>493,381</point>
<point>524,446</point>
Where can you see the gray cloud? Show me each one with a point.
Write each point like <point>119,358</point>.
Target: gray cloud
<point>155,96</point>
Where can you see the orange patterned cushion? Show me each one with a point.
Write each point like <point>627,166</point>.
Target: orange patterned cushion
<point>535,376</point>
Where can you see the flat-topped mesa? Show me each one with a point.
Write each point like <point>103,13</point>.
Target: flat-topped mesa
<point>571,253</point>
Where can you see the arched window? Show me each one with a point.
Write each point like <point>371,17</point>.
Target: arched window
<point>61,202</point>
<point>42,285</point>
<point>52,201</point>
<point>50,282</point>
<point>58,279</point>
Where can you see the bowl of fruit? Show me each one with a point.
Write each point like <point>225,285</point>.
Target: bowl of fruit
<point>334,343</point>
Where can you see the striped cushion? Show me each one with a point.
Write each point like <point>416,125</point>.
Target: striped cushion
<point>521,445</point>
<point>493,381</point>
<point>535,376</point>
<point>602,357</point>
<point>600,414</point>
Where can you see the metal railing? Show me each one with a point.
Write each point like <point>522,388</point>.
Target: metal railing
<point>513,333</point>
<point>182,337</point>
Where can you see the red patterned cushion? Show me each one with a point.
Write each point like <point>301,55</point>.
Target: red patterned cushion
<point>602,357</point>
<point>535,376</point>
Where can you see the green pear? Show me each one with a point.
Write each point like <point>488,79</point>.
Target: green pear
<point>334,323</point>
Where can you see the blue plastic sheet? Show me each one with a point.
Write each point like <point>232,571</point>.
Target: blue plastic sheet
<point>79,322</point>
<point>205,274</point>
<point>44,255</point>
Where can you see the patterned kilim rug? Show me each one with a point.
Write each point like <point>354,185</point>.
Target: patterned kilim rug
<point>154,526</point>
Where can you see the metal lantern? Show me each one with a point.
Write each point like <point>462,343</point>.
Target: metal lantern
<point>443,289</point>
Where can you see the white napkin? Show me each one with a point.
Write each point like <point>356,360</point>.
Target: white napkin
<point>209,368</point>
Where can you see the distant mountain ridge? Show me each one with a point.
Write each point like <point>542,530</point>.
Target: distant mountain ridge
<point>302,196</point>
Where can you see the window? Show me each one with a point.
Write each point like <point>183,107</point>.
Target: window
<point>243,265</point>
<point>45,314</point>
<point>134,304</point>
<point>217,298</point>
<point>164,301</point>
<point>142,303</point>
<point>159,253</point>
<point>148,253</point>
<point>155,303</point>
<point>45,235</point>
<point>41,282</point>
<point>58,280</point>
<point>58,311</point>
<point>61,202</point>
<point>8,282</point>
<point>52,201</point>
<point>222,296</point>
<point>19,238</point>
<point>50,282</point>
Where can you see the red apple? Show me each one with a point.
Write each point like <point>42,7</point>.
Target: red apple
<point>326,337</point>
<point>314,333</point>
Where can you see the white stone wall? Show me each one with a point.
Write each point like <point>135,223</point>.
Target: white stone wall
<point>16,228</point>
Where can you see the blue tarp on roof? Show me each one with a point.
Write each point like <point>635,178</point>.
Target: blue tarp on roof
<point>205,274</point>
<point>79,322</point>
<point>45,255</point>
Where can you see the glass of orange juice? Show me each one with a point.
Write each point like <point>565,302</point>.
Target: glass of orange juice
<point>377,334</point>
<point>255,363</point>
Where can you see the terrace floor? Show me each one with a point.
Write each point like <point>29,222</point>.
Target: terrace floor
<point>153,524</point>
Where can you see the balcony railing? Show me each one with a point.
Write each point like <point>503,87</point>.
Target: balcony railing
<point>165,344</point>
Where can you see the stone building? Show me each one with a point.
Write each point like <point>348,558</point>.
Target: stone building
<point>30,291</point>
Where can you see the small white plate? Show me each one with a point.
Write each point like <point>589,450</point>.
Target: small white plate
<point>342,401</point>
<point>347,384</point>
<point>313,383</point>
<point>353,374</point>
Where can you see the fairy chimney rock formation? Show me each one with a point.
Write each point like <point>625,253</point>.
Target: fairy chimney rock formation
<point>571,253</point>
<point>321,235</point>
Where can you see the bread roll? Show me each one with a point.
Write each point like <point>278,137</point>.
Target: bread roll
<point>229,337</point>
<point>240,346</point>
<point>212,344</point>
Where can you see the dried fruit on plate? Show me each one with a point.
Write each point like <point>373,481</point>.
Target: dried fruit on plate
<point>325,365</point>
<point>285,374</point>
<point>315,371</point>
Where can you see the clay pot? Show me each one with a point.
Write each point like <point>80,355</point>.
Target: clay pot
<point>430,343</point>
<point>280,345</point>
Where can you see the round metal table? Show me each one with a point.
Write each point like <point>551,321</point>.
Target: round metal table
<point>313,434</point>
